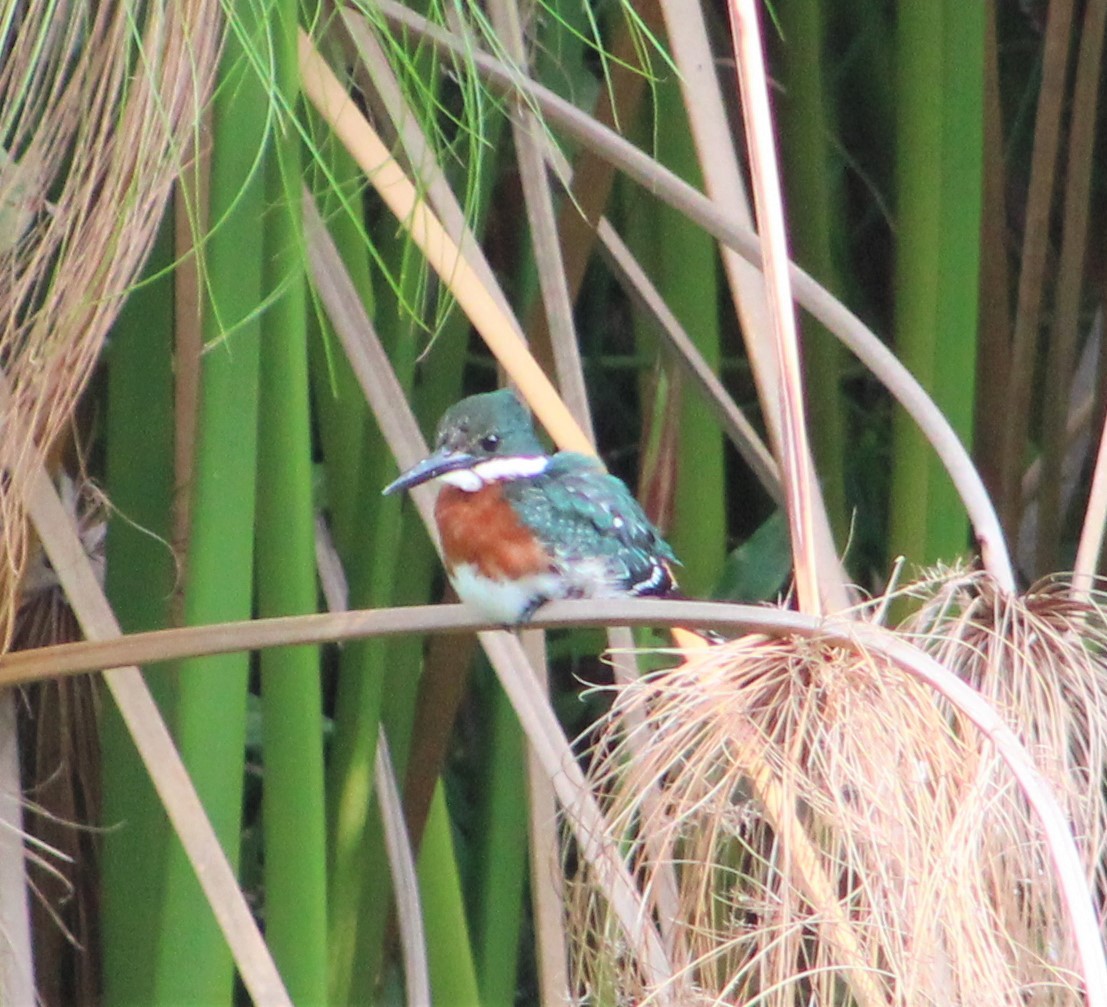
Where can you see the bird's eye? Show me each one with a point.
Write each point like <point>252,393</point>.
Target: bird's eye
<point>490,442</point>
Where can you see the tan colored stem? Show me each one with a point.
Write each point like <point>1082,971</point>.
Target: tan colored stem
<point>794,451</point>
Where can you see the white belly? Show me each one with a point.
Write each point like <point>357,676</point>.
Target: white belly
<point>503,601</point>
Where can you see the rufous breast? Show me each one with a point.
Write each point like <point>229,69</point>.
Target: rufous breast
<point>482,530</point>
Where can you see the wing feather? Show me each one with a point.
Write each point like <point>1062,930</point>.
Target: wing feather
<point>593,527</point>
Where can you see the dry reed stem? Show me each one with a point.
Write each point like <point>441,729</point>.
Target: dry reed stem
<point>793,450</point>
<point>991,419</point>
<point>763,302</point>
<point>1061,353</point>
<point>1095,520</point>
<point>709,121</point>
<point>1036,239</point>
<point>545,242</point>
<point>160,645</point>
<point>405,883</point>
<point>547,881</point>
<point>378,78</point>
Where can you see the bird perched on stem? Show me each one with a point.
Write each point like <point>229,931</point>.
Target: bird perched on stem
<point>520,527</point>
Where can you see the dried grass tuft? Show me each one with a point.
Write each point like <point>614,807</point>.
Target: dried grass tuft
<point>830,830</point>
<point>98,102</point>
<point>1040,658</point>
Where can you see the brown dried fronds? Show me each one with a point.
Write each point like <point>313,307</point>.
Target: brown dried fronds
<point>98,105</point>
<point>835,833</point>
<point>59,759</point>
<point>1041,659</point>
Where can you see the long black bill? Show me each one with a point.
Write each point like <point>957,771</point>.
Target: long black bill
<point>441,462</point>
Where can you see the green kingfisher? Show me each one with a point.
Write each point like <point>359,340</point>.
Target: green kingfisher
<point>520,527</point>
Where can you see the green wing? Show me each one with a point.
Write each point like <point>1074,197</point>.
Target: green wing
<point>584,515</point>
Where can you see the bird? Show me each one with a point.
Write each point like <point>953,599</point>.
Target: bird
<point>520,526</point>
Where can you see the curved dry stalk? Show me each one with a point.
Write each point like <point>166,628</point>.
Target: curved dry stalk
<point>838,319</point>
<point>221,638</point>
<point>405,884</point>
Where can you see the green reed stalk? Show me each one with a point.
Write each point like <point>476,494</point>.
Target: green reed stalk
<point>940,164</point>
<point>686,270</point>
<point>814,224</point>
<point>193,964</point>
<point>500,855</point>
<point>139,582</point>
<point>292,716</point>
<point>371,561</point>
<point>453,978</point>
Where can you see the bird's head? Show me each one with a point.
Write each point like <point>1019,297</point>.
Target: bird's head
<point>482,439</point>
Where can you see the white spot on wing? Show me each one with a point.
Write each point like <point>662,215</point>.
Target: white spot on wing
<point>652,582</point>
